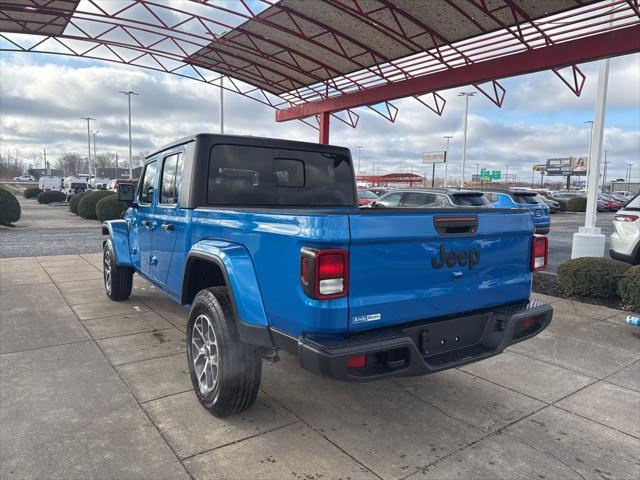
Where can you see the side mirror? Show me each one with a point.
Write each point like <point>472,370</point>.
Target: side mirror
<point>126,193</point>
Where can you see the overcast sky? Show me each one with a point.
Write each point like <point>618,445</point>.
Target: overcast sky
<point>43,97</point>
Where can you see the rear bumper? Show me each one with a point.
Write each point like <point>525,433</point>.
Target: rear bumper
<point>543,230</point>
<point>420,349</point>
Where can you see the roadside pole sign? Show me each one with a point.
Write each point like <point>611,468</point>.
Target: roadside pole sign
<point>434,157</point>
<point>496,174</point>
<point>485,174</point>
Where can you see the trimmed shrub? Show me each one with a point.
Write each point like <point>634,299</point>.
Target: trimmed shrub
<point>31,192</point>
<point>51,196</point>
<point>87,204</point>
<point>9,207</point>
<point>563,205</point>
<point>629,288</point>
<point>109,208</point>
<point>74,201</point>
<point>577,204</point>
<point>591,276</point>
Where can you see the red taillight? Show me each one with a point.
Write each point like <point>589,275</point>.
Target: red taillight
<point>539,253</point>
<point>330,265</point>
<point>625,218</point>
<point>357,361</point>
<point>324,273</point>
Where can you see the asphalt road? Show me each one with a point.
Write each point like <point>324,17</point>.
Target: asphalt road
<point>563,226</point>
<point>28,242</point>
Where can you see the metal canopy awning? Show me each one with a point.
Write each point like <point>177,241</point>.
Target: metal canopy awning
<point>43,17</point>
<point>298,43</point>
<point>322,58</point>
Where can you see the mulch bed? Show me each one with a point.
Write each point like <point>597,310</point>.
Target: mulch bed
<point>547,284</point>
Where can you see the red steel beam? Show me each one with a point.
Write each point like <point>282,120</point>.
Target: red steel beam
<point>610,44</point>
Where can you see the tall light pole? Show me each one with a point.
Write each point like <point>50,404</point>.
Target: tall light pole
<point>128,93</point>
<point>221,105</point>
<point>359,147</point>
<point>628,174</point>
<point>88,119</point>
<point>95,155</point>
<point>604,171</point>
<point>590,122</point>
<point>446,157</point>
<point>466,96</point>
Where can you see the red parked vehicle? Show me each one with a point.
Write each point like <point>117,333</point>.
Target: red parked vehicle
<point>366,197</point>
<point>611,203</point>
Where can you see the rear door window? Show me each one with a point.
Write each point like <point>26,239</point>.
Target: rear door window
<point>634,204</point>
<point>257,176</point>
<point>391,200</point>
<point>148,183</point>
<point>418,199</point>
<point>171,177</point>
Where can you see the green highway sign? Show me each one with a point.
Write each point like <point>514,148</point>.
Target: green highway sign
<point>485,174</point>
<point>496,175</point>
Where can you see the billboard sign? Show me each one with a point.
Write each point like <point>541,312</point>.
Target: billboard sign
<point>434,157</point>
<point>567,166</point>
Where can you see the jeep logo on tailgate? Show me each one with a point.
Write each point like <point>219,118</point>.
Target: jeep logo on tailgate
<point>463,258</point>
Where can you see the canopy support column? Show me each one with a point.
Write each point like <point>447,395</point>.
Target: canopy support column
<point>324,127</point>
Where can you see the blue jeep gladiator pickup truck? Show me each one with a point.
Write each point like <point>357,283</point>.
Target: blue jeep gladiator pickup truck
<point>262,239</point>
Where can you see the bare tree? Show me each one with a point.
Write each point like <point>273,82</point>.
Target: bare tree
<point>11,165</point>
<point>104,160</point>
<point>71,163</point>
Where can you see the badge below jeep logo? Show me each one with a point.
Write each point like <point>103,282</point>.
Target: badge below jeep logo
<point>463,258</point>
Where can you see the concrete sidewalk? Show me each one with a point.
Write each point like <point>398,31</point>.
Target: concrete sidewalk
<point>97,389</point>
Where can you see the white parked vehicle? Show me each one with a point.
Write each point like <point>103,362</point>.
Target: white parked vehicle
<point>49,183</point>
<point>99,183</point>
<point>24,178</point>
<point>625,239</point>
<point>73,185</point>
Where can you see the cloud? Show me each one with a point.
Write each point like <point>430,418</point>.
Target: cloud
<point>43,98</point>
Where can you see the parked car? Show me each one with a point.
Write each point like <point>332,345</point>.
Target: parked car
<point>113,184</point>
<point>554,205</point>
<point>378,191</point>
<point>74,185</point>
<point>612,205</point>
<point>566,195</point>
<point>519,198</point>
<point>48,182</point>
<point>365,197</point>
<point>272,253</point>
<point>619,198</point>
<point>24,178</point>
<point>430,197</point>
<point>624,243</point>
<point>625,193</point>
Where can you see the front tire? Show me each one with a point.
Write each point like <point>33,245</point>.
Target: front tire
<point>225,372</point>
<point>118,281</point>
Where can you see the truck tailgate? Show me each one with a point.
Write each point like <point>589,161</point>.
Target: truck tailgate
<point>403,268</point>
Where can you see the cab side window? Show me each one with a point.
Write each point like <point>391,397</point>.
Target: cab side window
<point>170,180</point>
<point>148,182</point>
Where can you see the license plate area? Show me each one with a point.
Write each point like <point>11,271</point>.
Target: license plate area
<point>450,340</point>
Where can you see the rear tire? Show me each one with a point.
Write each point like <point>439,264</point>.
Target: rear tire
<point>225,372</point>
<point>118,281</point>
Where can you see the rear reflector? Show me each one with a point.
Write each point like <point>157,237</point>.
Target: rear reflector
<point>357,361</point>
<point>625,218</point>
<point>539,253</point>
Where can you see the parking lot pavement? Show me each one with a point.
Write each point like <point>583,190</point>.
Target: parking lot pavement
<point>96,389</point>
<point>49,230</point>
<point>563,226</point>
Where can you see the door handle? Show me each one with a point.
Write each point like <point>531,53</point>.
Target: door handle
<point>148,224</point>
<point>167,227</point>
